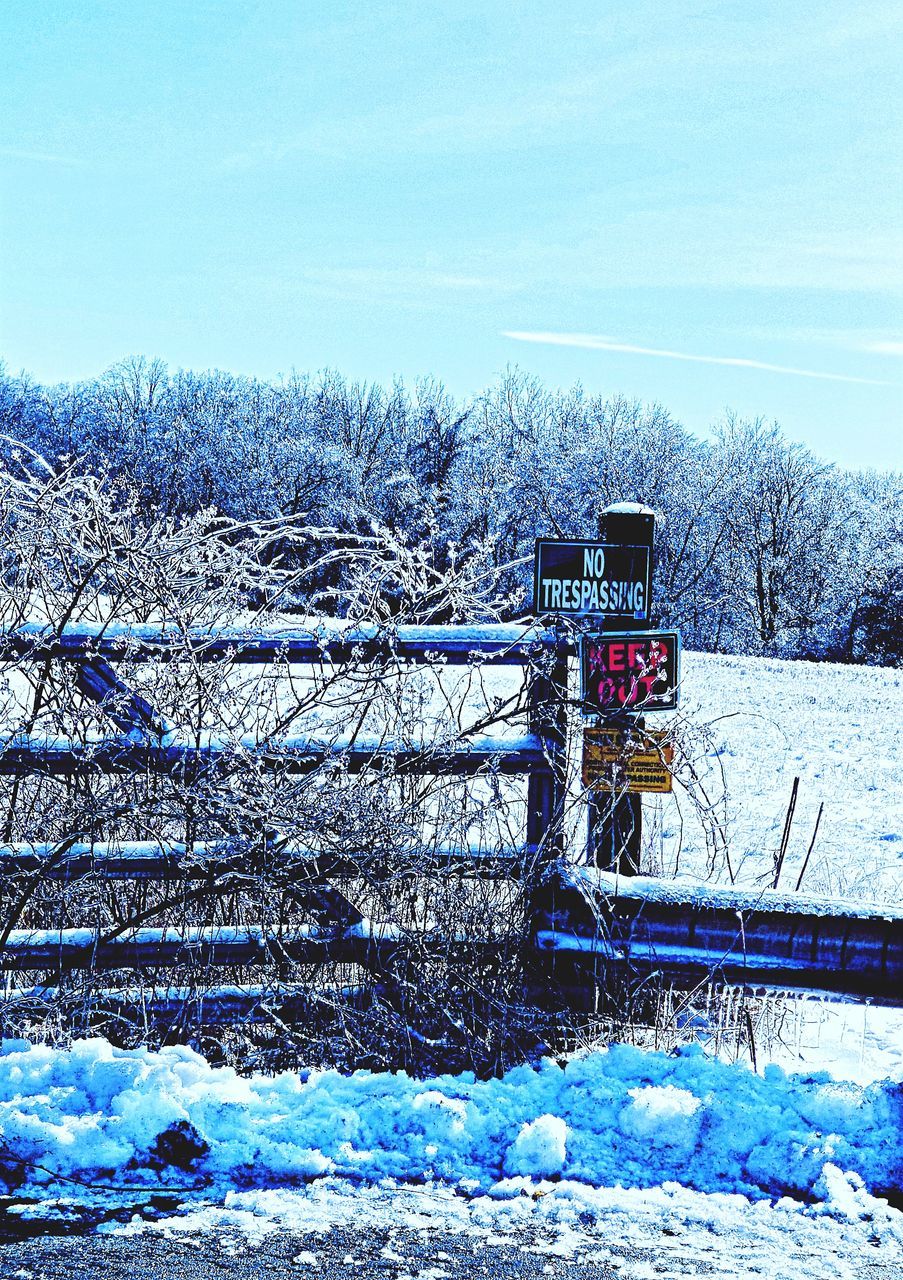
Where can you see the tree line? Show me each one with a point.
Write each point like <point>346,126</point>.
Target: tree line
<point>761,546</point>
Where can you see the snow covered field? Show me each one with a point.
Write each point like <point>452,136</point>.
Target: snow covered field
<point>761,1174</point>
<point>837,728</point>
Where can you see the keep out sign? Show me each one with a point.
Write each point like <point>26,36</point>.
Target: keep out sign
<point>629,671</point>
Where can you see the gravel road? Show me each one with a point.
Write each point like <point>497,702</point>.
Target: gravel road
<point>338,1255</point>
<point>393,1254</point>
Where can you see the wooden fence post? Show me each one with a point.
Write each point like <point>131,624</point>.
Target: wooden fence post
<point>546,792</point>
<point>547,717</point>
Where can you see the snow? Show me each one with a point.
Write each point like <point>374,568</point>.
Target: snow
<point>663,1115</point>
<point>682,1232</point>
<point>681,1143</point>
<point>686,891</point>
<point>540,1149</point>
<point>850,1040</point>
<point>756,723</point>
<point>617,1116</point>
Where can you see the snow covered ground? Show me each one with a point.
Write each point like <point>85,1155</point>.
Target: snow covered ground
<point>654,1141</point>
<point>720,1170</point>
<point>756,724</point>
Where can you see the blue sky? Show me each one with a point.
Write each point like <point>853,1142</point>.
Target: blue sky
<point>591,191</point>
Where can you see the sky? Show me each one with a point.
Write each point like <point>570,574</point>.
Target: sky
<point>694,204</point>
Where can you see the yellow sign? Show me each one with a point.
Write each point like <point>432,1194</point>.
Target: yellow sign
<point>616,761</point>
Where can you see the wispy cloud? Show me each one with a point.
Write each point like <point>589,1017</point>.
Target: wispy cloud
<point>415,285</point>
<point>393,278</point>
<point>885,347</point>
<point>483,122</point>
<point>39,157</point>
<point>593,342</point>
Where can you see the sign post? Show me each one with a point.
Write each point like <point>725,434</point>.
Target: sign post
<point>626,669</point>
<point>615,817</point>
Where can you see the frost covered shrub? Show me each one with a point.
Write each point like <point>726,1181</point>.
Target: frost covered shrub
<point>257,845</point>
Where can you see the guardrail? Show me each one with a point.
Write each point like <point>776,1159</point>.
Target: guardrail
<point>593,923</point>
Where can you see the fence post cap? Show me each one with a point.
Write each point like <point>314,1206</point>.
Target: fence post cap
<point>627,509</point>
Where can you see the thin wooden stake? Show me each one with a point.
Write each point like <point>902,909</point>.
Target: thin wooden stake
<point>752,1040</point>
<point>809,850</point>
<point>785,838</point>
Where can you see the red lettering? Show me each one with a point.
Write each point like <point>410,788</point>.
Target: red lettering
<point>616,657</point>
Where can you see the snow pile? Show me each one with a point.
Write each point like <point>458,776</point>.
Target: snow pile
<point>540,1149</point>
<point>617,1118</point>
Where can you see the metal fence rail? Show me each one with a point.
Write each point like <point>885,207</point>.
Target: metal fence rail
<point>586,924</point>
<point>161,861</point>
<point>593,922</point>
<point>20,756</point>
<point>496,643</point>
